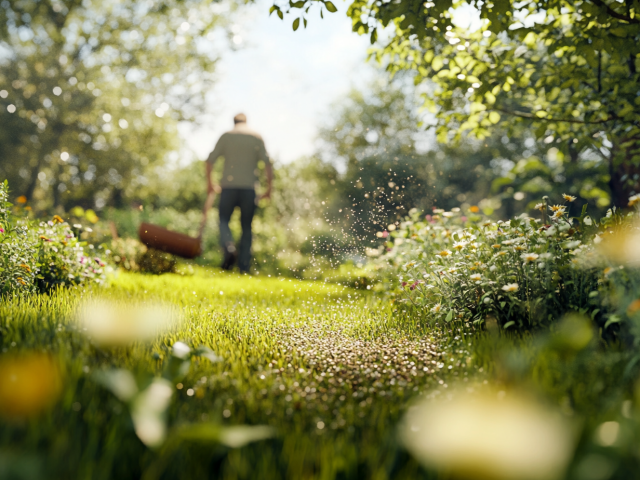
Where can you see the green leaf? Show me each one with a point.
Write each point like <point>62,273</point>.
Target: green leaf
<point>234,437</point>
<point>331,7</point>
<point>494,117</point>
<point>449,316</point>
<point>280,14</point>
<point>374,36</point>
<point>296,24</point>
<point>509,324</point>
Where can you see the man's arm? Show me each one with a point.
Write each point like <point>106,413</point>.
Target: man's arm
<point>211,161</point>
<point>211,187</point>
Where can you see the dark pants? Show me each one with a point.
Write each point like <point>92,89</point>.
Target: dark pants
<point>230,198</point>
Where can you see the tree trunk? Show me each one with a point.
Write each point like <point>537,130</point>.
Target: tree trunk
<point>624,171</point>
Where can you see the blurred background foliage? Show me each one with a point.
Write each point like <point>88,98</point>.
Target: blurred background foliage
<point>90,105</point>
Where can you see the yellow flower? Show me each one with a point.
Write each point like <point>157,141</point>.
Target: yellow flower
<point>444,253</point>
<point>26,267</point>
<point>474,209</point>
<point>496,245</point>
<point>58,219</point>
<point>634,199</point>
<point>510,287</point>
<point>519,248</point>
<point>557,208</point>
<point>529,257</point>
<point>29,383</point>
<point>568,198</point>
<point>558,214</point>
<point>21,281</point>
<point>502,253</point>
<point>633,307</point>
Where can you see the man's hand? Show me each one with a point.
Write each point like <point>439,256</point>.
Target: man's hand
<point>266,195</point>
<point>211,188</point>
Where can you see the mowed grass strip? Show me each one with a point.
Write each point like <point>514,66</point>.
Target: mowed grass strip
<point>330,368</point>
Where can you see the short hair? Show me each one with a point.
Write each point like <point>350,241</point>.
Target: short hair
<point>240,118</point>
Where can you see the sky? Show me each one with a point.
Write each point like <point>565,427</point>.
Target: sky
<point>284,81</point>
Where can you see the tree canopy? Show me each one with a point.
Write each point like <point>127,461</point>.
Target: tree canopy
<point>568,70</point>
<point>91,92</point>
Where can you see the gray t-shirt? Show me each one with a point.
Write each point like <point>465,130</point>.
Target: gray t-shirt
<point>242,149</point>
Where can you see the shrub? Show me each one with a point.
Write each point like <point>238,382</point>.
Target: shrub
<point>132,255</point>
<point>17,252</point>
<point>62,258</point>
<point>40,256</point>
<point>524,273</point>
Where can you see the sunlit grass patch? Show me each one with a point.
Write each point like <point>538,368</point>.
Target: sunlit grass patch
<point>275,338</point>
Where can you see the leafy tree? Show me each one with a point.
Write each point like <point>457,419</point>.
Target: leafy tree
<point>566,70</point>
<point>91,92</point>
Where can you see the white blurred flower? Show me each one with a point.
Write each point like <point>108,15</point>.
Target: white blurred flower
<point>510,287</point>
<point>147,412</point>
<point>529,257</point>
<point>111,323</point>
<point>492,437</point>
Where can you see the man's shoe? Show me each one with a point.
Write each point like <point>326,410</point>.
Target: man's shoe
<point>230,257</point>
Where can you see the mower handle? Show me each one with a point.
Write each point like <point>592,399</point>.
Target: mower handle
<point>207,205</point>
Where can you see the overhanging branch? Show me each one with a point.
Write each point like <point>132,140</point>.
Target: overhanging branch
<point>615,14</point>
<point>516,113</point>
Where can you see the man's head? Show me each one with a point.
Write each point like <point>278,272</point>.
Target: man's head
<point>240,118</point>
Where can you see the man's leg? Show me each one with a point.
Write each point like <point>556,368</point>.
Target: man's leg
<point>227,204</point>
<point>247,201</point>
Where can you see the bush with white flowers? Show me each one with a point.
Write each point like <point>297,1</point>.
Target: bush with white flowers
<point>524,273</point>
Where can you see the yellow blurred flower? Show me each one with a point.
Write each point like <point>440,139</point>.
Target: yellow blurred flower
<point>29,383</point>
<point>26,267</point>
<point>21,199</point>
<point>557,208</point>
<point>568,198</point>
<point>494,436</point>
<point>436,308</point>
<point>476,277</point>
<point>474,209</point>
<point>112,324</point>
<point>634,199</point>
<point>496,245</point>
<point>558,214</point>
<point>444,253</point>
<point>621,246</point>
<point>633,307</point>
<point>57,219</point>
<point>510,287</point>
<point>540,206</point>
<point>459,245</point>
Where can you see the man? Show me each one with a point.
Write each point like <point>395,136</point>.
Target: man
<point>241,149</point>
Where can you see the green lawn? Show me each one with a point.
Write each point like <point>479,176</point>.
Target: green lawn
<point>330,368</point>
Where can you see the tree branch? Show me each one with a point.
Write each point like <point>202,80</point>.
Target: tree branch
<point>615,14</point>
<point>558,120</point>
